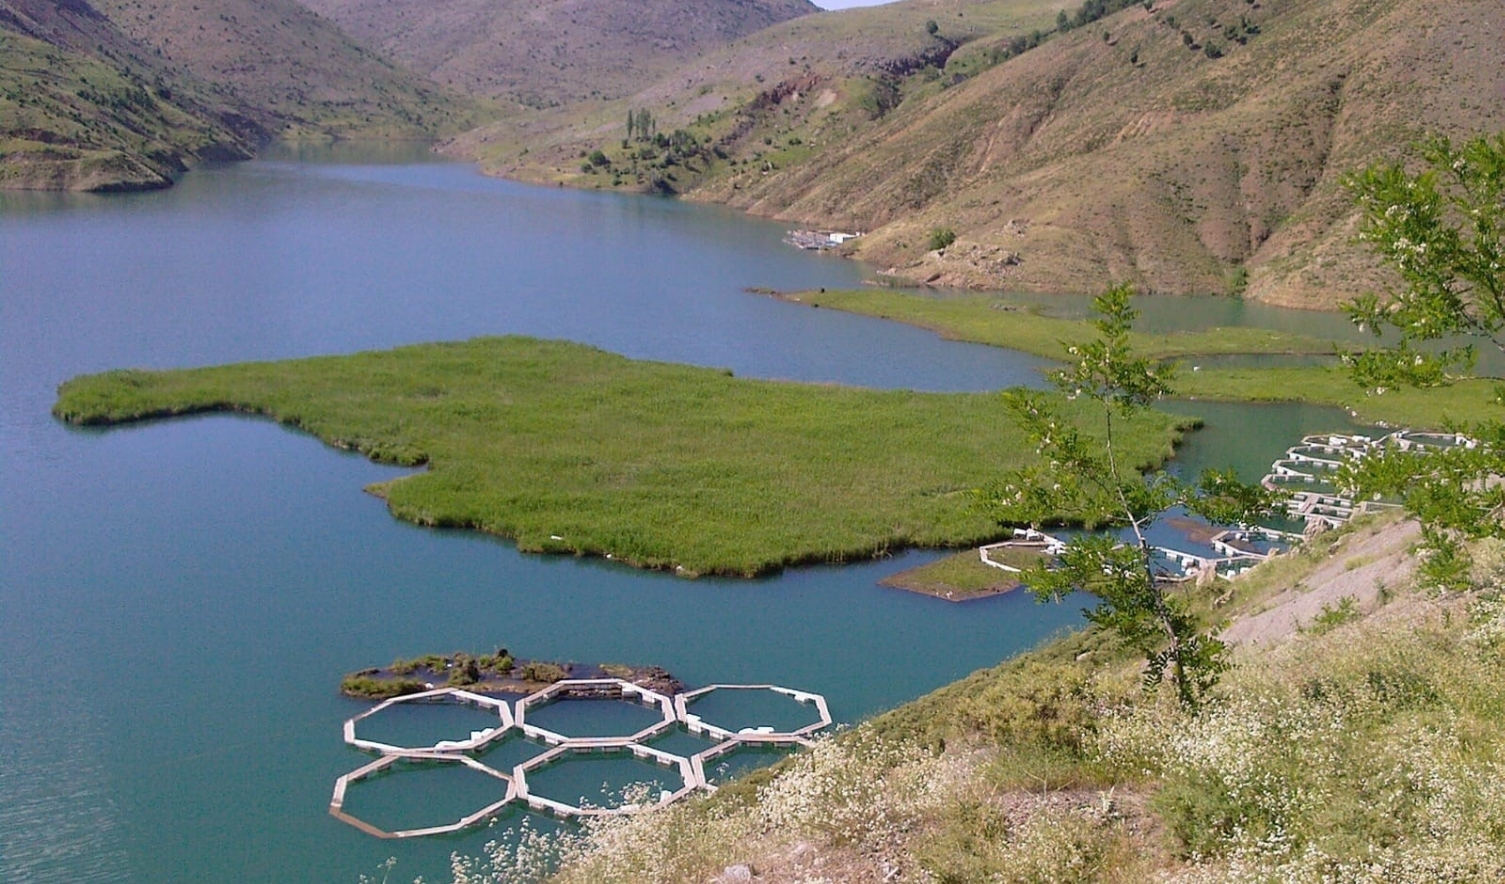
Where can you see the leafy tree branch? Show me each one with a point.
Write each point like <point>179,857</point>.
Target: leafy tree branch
<point>1080,478</point>
<point>1442,230</point>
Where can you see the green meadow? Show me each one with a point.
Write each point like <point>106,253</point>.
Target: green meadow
<point>566,448</point>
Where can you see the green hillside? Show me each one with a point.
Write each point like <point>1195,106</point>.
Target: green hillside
<point>127,96</point>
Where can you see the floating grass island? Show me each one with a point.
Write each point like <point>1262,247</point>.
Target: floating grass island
<point>497,672</point>
<point>566,448</point>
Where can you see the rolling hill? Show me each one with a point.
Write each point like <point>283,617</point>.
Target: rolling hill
<point>83,107</point>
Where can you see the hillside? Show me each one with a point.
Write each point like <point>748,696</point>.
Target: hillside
<point>549,52</point>
<point>1355,739</point>
<point>82,107</point>
<point>119,95</point>
<point>281,58</point>
<point>1196,147</point>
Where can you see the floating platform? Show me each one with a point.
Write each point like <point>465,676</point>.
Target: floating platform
<point>512,718</point>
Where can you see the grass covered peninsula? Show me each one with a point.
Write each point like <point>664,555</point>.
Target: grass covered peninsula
<point>980,320</point>
<point>567,448</point>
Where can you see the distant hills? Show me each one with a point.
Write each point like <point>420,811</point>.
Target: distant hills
<point>125,94</point>
<point>84,107</point>
<point>543,53</point>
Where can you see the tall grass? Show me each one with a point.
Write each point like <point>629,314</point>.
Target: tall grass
<point>566,448</point>
<point>975,319</point>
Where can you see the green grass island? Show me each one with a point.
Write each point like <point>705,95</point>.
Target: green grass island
<point>981,319</point>
<point>566,448</point>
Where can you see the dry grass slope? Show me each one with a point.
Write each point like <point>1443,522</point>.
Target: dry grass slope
<point>284,61</point>
<point>542,54</point>
<point>1195,147</point>
<point>1137,157</point>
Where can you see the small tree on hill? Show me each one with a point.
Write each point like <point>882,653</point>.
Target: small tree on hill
<point>1081,478</point>
<point>1442,230</point>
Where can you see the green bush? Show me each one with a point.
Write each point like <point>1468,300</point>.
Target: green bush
<point>941,237</point>
<point>378,688</point>
<point>535,671</point>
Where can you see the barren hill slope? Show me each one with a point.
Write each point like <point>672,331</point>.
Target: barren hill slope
<point>1196,146</point>
<point>545,52</point>
<point>279,57</point>
<point>1125,150</point>
<point>83,107</point>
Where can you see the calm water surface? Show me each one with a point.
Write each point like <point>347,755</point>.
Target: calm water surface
<point>178,601</point>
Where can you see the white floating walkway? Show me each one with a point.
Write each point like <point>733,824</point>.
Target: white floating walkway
<point>512,718</point>
<point>1326,453</point>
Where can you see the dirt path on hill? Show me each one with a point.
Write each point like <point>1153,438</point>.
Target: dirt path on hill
<point>1363,565</point>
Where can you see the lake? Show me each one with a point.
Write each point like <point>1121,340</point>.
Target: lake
<point>178,601</point>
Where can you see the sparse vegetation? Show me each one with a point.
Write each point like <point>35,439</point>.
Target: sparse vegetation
<point>370,688</point>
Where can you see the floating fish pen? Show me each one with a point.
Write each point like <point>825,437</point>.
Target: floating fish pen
<point>1305,472</point>
<point>557,747</point>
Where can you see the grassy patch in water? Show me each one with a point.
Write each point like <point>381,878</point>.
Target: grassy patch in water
<point>985,320</point>
<point>963,576</point>
<point>567,448</point>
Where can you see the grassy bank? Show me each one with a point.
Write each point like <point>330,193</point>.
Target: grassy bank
<point>984,320</point>
<point>1410,407</point>
<point>1360,749</point>
<point>979,320</point>
<point>566,448</point>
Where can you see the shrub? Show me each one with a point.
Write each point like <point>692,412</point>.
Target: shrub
<point>941,237</point>
<point>379,689</point>
<point>536,671</point>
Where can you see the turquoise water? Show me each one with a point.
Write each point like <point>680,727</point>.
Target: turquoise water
<point>178,601</point>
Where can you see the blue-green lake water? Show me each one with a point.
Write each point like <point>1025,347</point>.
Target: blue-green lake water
<point>178,601</point>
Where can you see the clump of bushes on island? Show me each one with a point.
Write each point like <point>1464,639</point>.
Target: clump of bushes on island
<point>459,670</point>
<point>495,672</point>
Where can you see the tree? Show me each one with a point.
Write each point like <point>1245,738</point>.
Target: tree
<point>1442,230</point>
<point>1079,478</point>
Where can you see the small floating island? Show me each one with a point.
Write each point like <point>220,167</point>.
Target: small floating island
<point>964,576</point>
<point>498,672</point>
